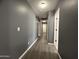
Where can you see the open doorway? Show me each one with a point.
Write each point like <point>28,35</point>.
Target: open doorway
<point>44,28</point>
<point>44,25</point>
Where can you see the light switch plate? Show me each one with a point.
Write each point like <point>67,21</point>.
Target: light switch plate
<point>18,29</point>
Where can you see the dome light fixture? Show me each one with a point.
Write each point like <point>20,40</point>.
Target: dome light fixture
<point>44,21</point>
<point>43,4</point>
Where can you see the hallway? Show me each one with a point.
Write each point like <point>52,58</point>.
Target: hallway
<point>22,24</point>
<point>41,50</point>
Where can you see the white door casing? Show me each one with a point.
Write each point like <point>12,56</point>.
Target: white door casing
<point>56,28</point>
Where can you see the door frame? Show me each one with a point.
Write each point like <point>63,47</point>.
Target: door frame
<point>56,28</point>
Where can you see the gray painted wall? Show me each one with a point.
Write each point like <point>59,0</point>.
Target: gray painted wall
<point>4,28</point>
<point>16,13</point>
<point>68,32</point>
<point>39,28</point>
<point>50,27</point>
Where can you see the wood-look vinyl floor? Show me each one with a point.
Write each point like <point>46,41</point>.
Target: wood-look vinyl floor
<point>41,50</point>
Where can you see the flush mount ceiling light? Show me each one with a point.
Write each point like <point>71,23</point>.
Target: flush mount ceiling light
<point>44,21</point>
<point>43,4</point>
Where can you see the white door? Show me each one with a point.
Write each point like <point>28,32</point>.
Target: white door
<point>56,28</point>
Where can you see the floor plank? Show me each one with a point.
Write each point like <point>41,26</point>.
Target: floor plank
<point>41,50</point>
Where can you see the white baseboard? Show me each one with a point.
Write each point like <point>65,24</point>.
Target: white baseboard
<point>6,56</point>
<point>50,43</point>
<point>27,49</point>
<point>59,56</point>
<point>57,51</point>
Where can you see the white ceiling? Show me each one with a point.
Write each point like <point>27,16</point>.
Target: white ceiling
<point>51,4</point>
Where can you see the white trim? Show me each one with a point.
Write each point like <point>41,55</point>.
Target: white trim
<point>7,56</point>
<point>59,55</point>
<point>50,43</point>
<point>56,26</point>
<point>27,49</point>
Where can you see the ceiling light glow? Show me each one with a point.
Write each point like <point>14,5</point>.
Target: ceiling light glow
<point>44,21</point>
<point>43,4</point>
